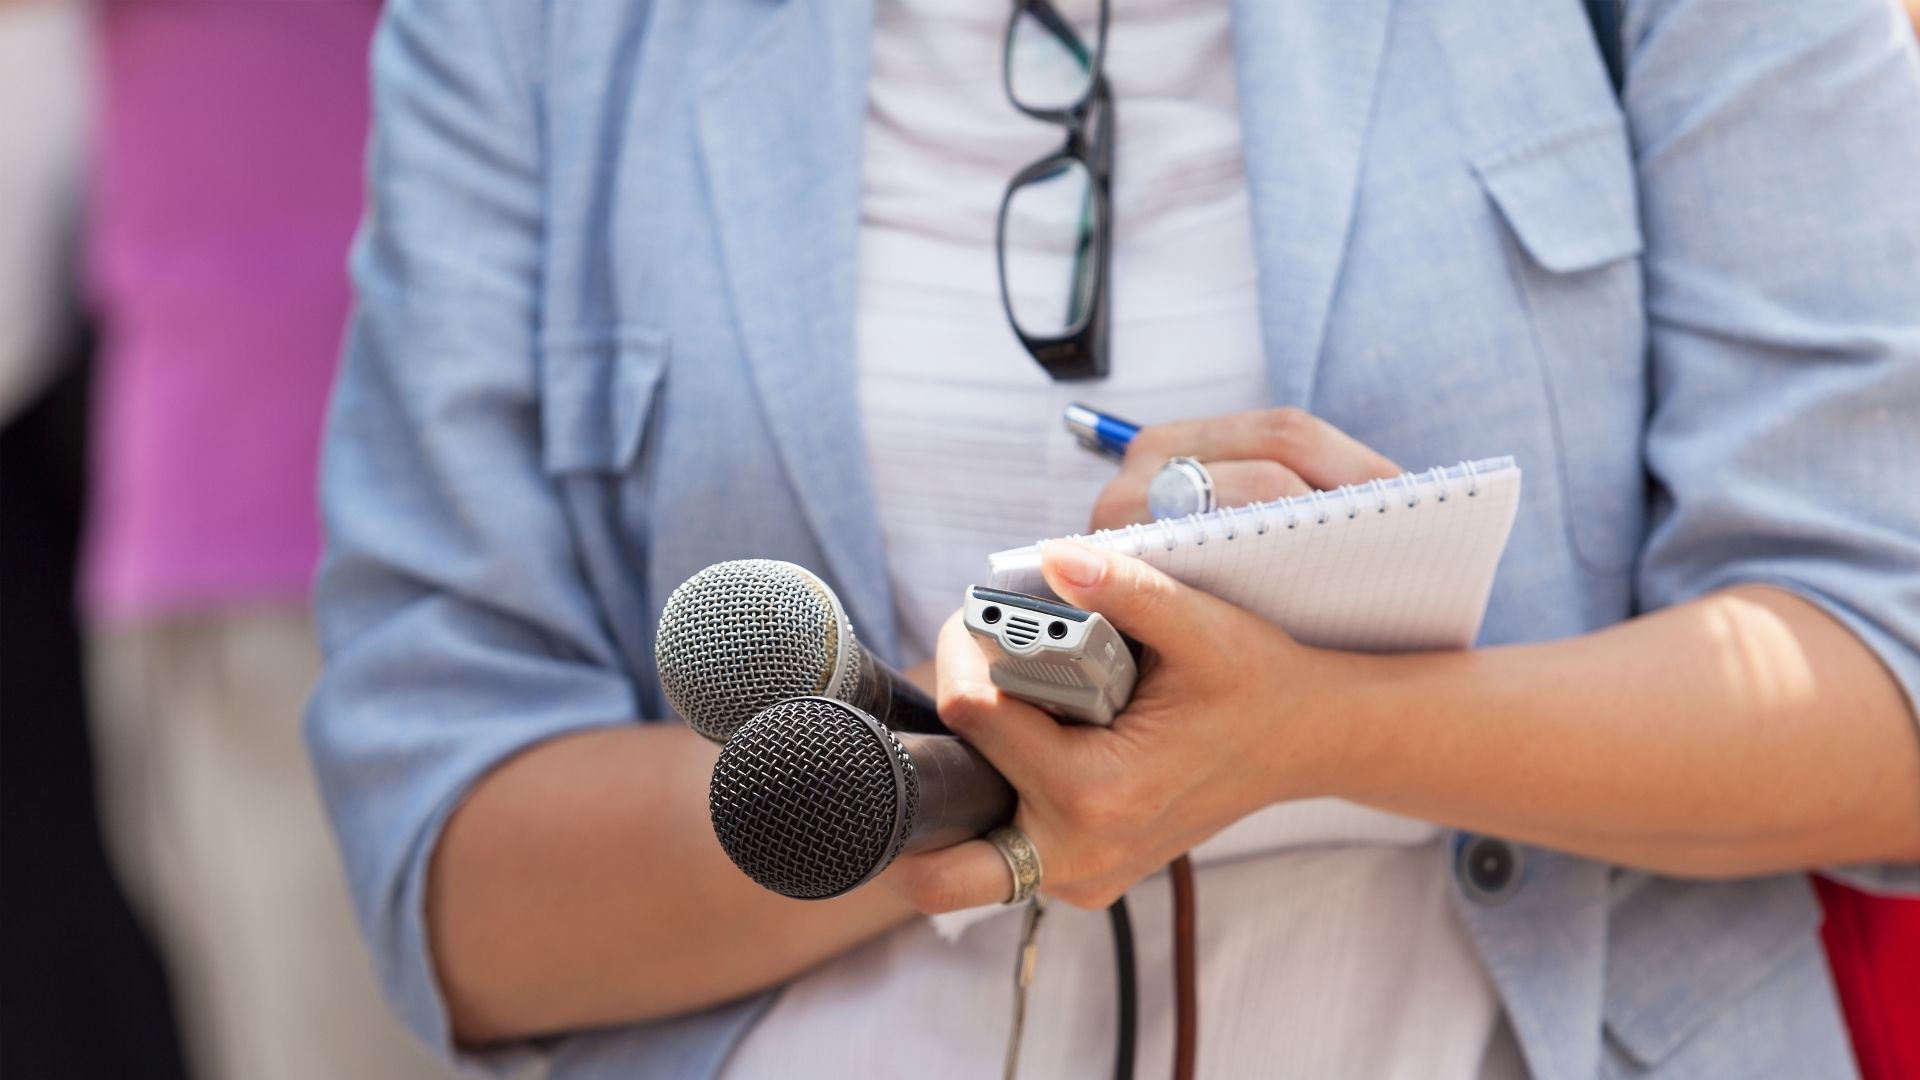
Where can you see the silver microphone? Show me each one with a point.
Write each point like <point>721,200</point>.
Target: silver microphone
<point>744,635</point>
<point>813,797</point>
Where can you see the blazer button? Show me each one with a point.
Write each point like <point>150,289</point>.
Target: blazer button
<point>1489,869</point>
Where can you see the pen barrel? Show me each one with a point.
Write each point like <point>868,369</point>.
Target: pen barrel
<point>1099,432</point>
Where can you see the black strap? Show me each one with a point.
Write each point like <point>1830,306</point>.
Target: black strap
<point>1605,17</point>
<point>1127,1016</point>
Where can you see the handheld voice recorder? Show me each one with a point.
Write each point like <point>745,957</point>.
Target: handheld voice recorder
<point>1072,663</point>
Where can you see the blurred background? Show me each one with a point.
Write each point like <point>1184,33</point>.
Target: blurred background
<point>179,182</point>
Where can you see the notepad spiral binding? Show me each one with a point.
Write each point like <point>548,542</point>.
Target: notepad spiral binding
<point>1314,508</point>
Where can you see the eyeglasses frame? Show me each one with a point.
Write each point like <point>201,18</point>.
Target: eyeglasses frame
<point>1080,351</point>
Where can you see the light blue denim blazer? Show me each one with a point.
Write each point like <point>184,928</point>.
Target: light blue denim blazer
<point>604,338</point>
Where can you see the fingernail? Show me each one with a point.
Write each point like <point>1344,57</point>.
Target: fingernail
<point>1081,567</point>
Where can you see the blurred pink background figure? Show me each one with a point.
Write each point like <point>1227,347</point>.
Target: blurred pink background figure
<point>227,187</point>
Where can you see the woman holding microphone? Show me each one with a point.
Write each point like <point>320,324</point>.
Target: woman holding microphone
<point>647,288</point>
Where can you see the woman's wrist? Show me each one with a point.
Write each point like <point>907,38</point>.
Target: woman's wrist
<point>1331,711</point>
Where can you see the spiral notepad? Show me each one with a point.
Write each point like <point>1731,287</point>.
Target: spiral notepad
<point>1387,566</point>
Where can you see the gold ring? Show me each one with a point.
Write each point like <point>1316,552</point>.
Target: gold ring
<point>1022,860</point>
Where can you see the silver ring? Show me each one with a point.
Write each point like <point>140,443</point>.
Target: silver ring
<point>1182,486</point>
<point>1022,860</point>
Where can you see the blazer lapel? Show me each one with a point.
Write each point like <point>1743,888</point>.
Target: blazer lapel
<point>1307,73</point>
<point>1545,950</point>
<point>780,141</point>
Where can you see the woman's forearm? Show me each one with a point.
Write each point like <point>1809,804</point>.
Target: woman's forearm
<point>1746,732</point>
<point>581,884</point>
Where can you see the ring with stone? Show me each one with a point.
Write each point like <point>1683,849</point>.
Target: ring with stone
<point>1182,486</point>
<point>1022,860</point>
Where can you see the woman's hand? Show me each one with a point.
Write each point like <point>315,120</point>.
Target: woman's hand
<point>1222,723</point>
<point>1253,456</point>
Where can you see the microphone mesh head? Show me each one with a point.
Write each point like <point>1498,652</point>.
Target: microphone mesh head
<point>812,797</point>
<point>740,636</point>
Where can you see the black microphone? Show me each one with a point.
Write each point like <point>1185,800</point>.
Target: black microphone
<point>744,635</point>
<point>813,797</point>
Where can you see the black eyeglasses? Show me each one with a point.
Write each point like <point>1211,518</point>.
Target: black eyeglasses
<point>1054,234</point>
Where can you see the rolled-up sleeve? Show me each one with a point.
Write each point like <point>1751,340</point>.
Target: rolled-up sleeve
<point>1778,145</point>
<point>457,628</point>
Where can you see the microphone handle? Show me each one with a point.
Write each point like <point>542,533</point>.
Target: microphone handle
<point>892,699</point>
<point>962,796</point>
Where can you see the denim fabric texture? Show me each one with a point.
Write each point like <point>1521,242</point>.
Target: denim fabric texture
<point>604,339</point>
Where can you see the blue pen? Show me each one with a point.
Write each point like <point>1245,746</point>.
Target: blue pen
<point>1103,434</point>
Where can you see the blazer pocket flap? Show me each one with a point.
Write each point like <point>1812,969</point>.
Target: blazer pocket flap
<point>596,390</point>
<point>1568,195</point>
<point>1680,953</point>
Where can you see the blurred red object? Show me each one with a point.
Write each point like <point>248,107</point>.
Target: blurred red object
<point>1873,945</point>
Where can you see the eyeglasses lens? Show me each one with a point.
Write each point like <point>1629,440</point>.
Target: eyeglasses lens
<point>1049,250</point>
<point>1050,63</point>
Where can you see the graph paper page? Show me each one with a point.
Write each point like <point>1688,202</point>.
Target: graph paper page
<point>1390,566</point>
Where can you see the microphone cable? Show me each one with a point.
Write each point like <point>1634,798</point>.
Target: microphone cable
<point>1127,1015</point>
<point>1126,1024</point>
<point>1023,967</point>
